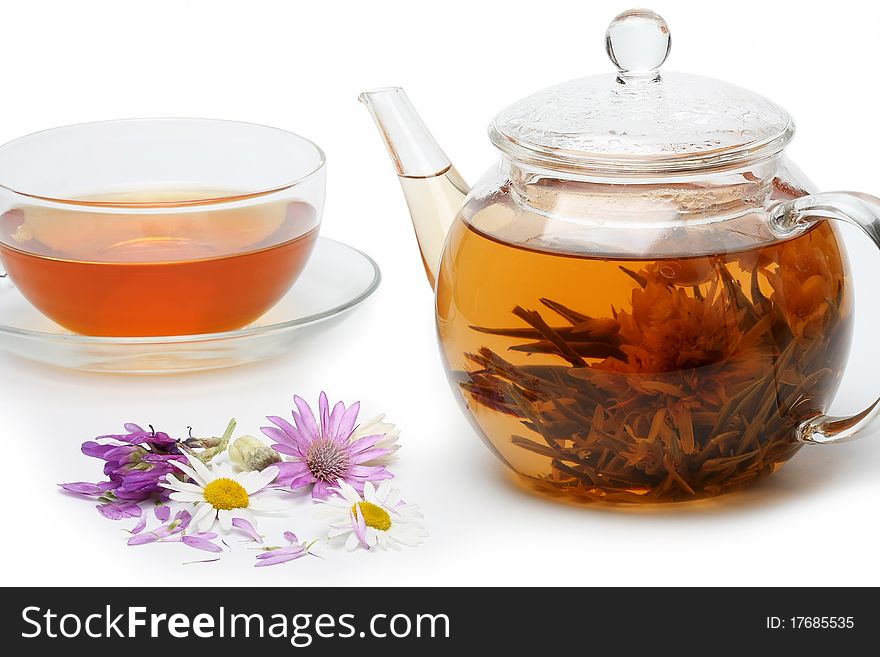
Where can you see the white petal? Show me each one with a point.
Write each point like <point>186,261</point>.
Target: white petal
<point>404,531</point>
<point>256,481</point>
<point>333,532</point>
<point>192,474</point>
<point>392,498</point>
<point>267,504</point>
<point>410,535</point>
<point>181,496</point>
<point>338,519</point>
<point>171,482</point>
<point>201,469</point>
<point>348,492</point>
<point>408,510</point>
<point>389,440</point>
<point>327,513</point>
<point>204,517</point>
<point>351,542</point>
<point>225,518</point>
<point>370,492</point>
<point>383,490</point>
<point>333,501</point>
<point>176,484</point>
<point>372,427</point>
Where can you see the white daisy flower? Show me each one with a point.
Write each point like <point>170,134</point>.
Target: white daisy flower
<point>378,519</point>
<point>218,493</point>
<point>378,427</point>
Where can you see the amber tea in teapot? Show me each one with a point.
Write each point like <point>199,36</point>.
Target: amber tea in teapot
<point>637,380</point>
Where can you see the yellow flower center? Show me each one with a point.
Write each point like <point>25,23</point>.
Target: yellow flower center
<point>374,516</point>
<point>226,494</point>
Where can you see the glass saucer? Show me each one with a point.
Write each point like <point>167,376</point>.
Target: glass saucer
<point>337,278</point>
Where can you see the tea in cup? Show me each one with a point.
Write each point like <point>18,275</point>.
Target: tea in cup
<point>158,226</point>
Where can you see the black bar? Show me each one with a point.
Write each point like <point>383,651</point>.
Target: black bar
<point>545,621</point>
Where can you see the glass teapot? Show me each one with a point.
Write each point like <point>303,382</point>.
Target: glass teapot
<point>643,300</point>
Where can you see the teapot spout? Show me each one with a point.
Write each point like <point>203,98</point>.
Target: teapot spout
<point>434,190</point>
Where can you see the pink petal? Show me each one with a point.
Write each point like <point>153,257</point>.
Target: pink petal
<point>335,417</point>
<point>143,539</point>
<point>183,518</point>
<point>321,491</point>
<point>293,431</point>
<point>83,488</point>
<point>293,478</point>
<point>278,556</point>
<point>377,471</point>
<point>120,510</point>
<point>95,450</point>
<point>296,467</point>
<point>360,526</point>
<point>287,450</point>
<point>369,455</point>
<point>139,527</point>
<point>285,433</point>
<point>201,543</point>
<point>346,424</point>
<point>306,416</point>
<point>247,528</point>
<point>361,444</point>
<point>324,412</point>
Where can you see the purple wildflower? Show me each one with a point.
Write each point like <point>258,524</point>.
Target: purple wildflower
<point>322,456</point>
<point>134,463</point>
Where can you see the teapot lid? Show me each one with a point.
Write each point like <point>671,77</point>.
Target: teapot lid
<point>640,121</point>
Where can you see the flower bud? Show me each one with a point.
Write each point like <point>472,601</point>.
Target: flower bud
<point>250,453</point>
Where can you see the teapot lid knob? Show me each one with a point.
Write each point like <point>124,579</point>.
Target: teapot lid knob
<point>637,42</point>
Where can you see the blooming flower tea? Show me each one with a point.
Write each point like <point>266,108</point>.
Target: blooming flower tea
<point>175,266</point>
<point>644,380</point>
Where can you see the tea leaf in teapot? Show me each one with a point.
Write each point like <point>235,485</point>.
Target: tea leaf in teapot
<point>691,385</point>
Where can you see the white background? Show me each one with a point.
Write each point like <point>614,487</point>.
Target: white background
<point>300,66</point>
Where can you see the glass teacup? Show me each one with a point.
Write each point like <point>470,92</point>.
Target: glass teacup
<point>158,226</point>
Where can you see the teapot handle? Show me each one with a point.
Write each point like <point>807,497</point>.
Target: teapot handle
<point>795,216</point>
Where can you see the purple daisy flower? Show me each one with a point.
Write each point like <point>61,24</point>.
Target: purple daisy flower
<point>322,456</point>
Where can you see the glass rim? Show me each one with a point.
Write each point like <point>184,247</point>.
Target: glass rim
<point>639,165</point>
<point>202,201</point>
